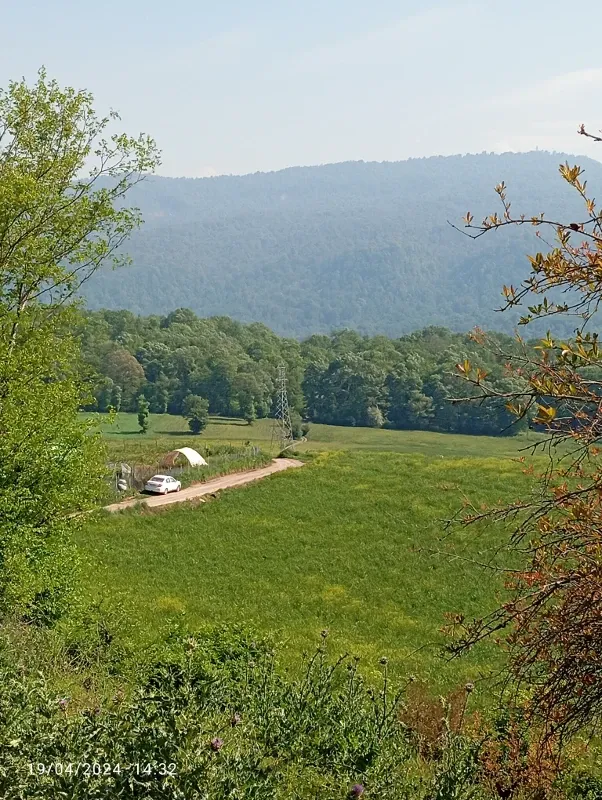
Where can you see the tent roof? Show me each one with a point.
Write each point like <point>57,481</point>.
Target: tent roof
<point>194,459</point>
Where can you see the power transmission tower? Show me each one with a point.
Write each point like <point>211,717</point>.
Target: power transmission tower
<point>282,430</point>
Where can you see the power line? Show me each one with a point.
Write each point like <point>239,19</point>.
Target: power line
<point>282,429</point>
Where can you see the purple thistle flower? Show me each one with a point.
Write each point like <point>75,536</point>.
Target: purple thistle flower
<point>357,790</point>
<point>64,702</point>
<point>217,744</point>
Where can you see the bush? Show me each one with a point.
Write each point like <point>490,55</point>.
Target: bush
<point>143,414</point>
<point>374,417</point>
<point>297,425</point>
<point>582,786</point>
<point>196,410</point>
<point>215,707</point>
<point>209,715</point>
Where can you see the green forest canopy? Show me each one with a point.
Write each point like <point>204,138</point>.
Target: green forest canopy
<point>344,378</point>
<point>355,245</point>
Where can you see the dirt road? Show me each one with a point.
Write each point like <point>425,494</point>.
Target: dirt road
<point>200,489</point>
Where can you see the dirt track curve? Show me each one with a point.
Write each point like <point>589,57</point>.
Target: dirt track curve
<point>212,486</point>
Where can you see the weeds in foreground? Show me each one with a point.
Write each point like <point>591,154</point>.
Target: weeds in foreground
<point>211,715</point>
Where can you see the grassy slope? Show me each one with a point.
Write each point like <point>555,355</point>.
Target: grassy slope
<point>340,544</point>
<point>167,432</point>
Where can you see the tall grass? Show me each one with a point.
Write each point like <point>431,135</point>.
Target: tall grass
<point>353,542</point>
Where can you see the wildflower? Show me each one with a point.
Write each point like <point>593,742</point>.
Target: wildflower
<point>357,790</point>
<point>324,633</point>
<point>217,744</point>
<point>469,688</point>
<point>63,703</point>
<point>236,719</point>
<point>384,661</point>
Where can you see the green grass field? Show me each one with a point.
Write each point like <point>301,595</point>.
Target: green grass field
<point>167,432</point>
<point>344,543</point>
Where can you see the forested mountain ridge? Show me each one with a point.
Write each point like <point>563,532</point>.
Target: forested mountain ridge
<point>359,245</point>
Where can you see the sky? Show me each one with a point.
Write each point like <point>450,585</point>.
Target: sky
<point>239,86</point>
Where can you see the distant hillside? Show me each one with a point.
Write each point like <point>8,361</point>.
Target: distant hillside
<point>359,245</point>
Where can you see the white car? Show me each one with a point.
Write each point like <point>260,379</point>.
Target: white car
<point>162,484</point>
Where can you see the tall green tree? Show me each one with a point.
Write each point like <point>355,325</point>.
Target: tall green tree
<point>125,371</point>
<point>196,410</point>
<point>143,413</point>
<point>409,406</point>
<point>343,393</point>
<point>63,180</point>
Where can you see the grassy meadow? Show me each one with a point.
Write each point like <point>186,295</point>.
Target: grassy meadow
<point>166,432</point>
<point>352,542</point>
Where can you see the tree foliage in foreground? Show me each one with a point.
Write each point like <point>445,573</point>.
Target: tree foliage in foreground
<point>552,620</point>
<point>56,228</point>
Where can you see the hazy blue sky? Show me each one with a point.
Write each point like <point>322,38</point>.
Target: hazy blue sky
<point>235,86</point>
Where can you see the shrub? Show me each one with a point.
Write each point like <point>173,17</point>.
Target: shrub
<point>215,706</point>
<point>209,715</point>
<point>196,410</point>
<point>374,417</point>
<point>143,414</point>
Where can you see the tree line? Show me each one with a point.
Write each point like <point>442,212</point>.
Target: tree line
<point>169,363</point>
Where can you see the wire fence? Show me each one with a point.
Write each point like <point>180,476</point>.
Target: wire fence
<point>132,475</point>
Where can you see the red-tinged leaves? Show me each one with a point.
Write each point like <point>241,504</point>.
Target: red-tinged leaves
<point>465,367</point>
<point>552,626</point>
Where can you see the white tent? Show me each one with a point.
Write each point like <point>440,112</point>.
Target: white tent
<point>194,459</point>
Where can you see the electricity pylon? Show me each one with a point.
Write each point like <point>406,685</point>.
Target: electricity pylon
<point>282,429</point>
